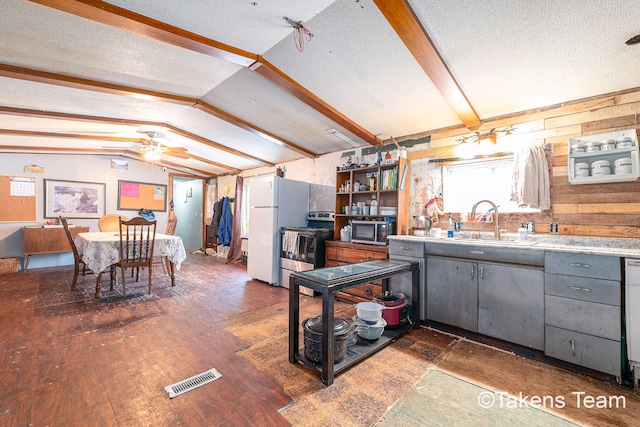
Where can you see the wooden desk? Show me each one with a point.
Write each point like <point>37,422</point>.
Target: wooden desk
<point>38,240</point>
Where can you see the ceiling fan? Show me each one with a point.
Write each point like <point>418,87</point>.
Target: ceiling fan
<point>152,149</point>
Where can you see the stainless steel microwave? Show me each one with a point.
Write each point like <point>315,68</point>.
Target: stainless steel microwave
<point>371,232</point>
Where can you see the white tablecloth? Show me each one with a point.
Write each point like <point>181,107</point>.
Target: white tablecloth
<point>101,249</point>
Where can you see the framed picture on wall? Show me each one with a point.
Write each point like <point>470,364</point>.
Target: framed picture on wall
<point>74,199</point>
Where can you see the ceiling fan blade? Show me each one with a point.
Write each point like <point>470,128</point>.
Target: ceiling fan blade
<point>178,155</point>
<point>175,149</point>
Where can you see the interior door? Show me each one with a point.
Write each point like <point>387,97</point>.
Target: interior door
<point>188,196</point>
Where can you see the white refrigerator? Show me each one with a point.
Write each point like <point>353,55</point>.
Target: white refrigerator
<point>274,202</point>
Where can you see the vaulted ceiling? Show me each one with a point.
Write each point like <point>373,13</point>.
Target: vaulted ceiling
<point>231,85</point>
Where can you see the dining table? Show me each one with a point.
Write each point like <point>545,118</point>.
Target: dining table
<point>101,249</point>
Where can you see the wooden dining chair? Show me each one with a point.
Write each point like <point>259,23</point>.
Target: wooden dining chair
<point>137,241</point>
<point>110,222</point>
<point>172,223</point>
<point>77,256</point>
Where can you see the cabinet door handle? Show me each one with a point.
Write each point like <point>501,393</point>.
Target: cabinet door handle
<point>473,271</point>
<point>573,347</point>
<point>576,264</point>
<point>482,272</point>
<point>578,288</point>
<point>477,252</point>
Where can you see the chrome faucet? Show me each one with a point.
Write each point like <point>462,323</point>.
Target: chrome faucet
<point>496,233</point>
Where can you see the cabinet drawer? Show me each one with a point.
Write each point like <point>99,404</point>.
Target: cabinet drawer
<point>406,248</point>
<point>352,256</point>
<point>583,288</point>
<point>585,350</point>
<point>366,292</point>
<point>583,265</point>
<point>583,316</point>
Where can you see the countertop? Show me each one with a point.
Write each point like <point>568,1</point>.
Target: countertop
<point>621,247</point>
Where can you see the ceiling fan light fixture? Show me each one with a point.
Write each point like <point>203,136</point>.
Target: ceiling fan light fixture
<point>152,153</point>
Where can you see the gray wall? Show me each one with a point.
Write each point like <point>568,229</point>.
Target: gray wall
<point>83,168</point>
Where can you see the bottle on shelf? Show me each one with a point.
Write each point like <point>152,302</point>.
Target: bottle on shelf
<point>450,227</point>
<point>374,207</point>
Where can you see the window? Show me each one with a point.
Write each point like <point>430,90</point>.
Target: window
<point>467,183</point>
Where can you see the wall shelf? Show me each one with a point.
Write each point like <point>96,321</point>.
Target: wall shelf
<point>610,155</point>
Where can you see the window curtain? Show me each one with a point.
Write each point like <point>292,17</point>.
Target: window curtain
<point>235,249</point>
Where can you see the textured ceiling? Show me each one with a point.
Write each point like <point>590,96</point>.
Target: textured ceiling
<point>153,67</point>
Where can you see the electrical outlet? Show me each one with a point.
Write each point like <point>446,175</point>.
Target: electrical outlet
<point>531,227</point>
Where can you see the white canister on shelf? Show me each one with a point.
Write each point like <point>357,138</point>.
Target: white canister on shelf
<point>625,142</point>
<point>577,148</point>
<point>609,144</point>
<point>582,169</point>
<point>592,146</point>
<point>601,167</point>
<point>622,165</point>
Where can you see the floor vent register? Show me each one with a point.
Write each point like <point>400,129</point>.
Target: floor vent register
<point>191,383</point>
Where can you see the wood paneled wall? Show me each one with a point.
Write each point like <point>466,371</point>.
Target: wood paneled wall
<point>606,210</point>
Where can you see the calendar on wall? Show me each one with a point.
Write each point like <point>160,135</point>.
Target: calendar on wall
<point>18,195</point>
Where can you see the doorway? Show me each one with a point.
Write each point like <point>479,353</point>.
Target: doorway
<point>188,206</point>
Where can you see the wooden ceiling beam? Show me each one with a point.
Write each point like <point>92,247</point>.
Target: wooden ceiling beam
<point>216,145</point>
<point>98,152</point>
<point>103,138</point>
<point>63,80</point>
<point>123,19</point>
<point>286,83</point>
<point>102,87</point>
<point>408,27</point>
<point>255,130</point>
<point>128,122</point>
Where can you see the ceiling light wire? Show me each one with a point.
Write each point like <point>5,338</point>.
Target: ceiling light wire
<point>300,33</point>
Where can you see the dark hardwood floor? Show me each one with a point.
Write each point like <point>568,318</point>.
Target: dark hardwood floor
<point>69,359</point>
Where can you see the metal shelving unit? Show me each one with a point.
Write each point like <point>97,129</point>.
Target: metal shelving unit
<point>330,280</point>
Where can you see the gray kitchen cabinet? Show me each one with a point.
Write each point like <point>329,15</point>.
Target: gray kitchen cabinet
<point>413,251</point>
<point>452,292</point>
<point>497,300</point>
<point>583,320</point>
<point>511,303</point>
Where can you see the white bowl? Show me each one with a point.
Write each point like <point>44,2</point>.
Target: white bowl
<point>369,312</point>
